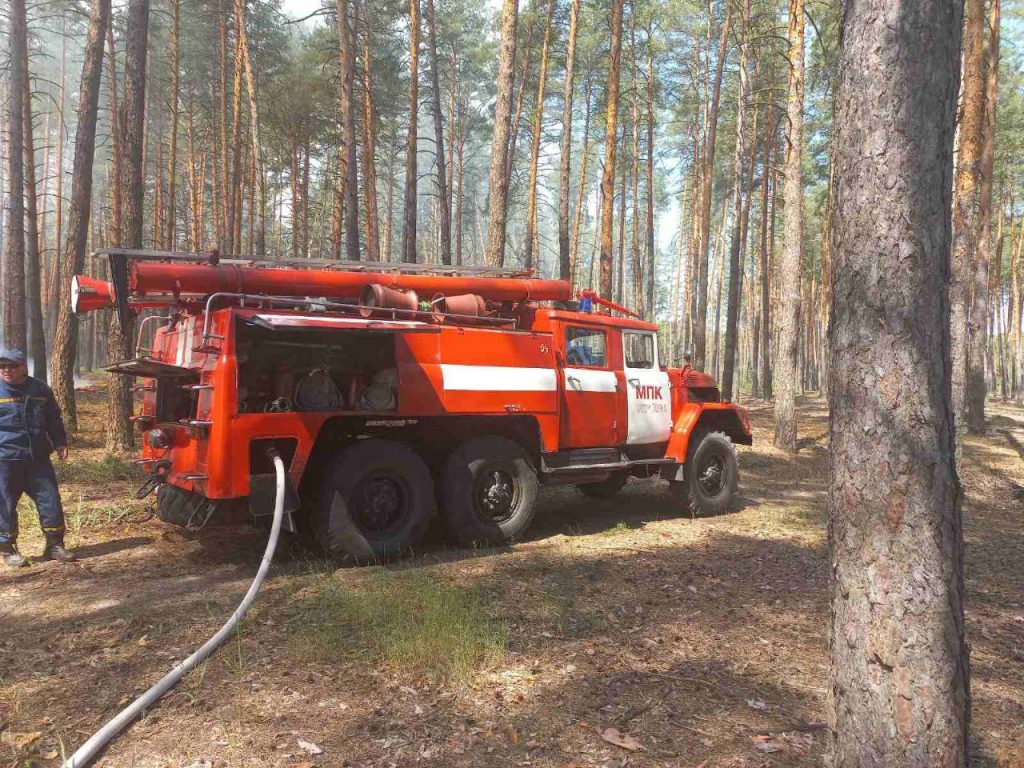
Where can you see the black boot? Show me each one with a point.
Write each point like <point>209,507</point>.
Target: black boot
<point>55,549</point>
<point>12,558</point>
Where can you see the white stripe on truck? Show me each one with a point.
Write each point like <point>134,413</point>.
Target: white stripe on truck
<point>497,378</point>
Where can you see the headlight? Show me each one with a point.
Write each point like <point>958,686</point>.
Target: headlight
<point>161,437</point>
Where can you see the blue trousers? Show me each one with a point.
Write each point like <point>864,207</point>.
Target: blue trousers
<point>36,478</point>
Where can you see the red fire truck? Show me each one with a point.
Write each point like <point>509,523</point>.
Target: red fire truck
<point>397,391</point>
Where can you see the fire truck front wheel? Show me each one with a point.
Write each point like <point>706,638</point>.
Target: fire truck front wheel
<point>712,474</point>
<point>376,501</point>
<point>489,491</point>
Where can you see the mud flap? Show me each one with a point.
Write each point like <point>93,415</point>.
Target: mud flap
<point>263,492</point>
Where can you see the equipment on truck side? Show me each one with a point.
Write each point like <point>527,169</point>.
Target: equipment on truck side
<point>388,408</point>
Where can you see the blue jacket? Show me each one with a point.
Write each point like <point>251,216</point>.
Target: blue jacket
<point>31,426</point>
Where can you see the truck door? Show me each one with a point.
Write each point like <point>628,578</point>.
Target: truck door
<point>648,397</point>
<point>590,416</point>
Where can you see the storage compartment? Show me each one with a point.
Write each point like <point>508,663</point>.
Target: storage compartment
<point>305,369</point>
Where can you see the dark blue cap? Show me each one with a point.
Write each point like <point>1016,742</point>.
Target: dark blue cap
<point>12,355</point>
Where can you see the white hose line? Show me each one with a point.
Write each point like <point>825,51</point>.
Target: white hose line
<point>85,753</point>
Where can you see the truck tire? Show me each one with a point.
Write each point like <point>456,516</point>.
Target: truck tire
<point>711,474</point>
<point>488,491</point>
<point>605,489</point>
<point>375,501</point>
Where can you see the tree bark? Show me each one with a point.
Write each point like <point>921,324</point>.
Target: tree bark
<point>237,170</point>
<point>15,328</point>
<point>703,249</point>
<point>979,313</point>
<point>565,251</point>
<point>651,119</point>
<point>172,148</point>
<point>444,201</point>
<point>409,218</point>
<point>257,196</point>
<point>900,679</point>
<point>65,339</point>
<point>733,309</point>
<point>369,153</point>
<point>581,192</point>
<point>786,370</point>
<point>119,427</point>
<point>346,68</point>
<point>36,346</point>
<point>967,201</point>
<point>611,124</point>
<point>538,117</point>
<point>497,177</point>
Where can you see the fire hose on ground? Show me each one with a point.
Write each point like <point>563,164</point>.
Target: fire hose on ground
<point>85,753</point>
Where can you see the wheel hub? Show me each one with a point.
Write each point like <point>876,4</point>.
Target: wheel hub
<point>495,495</point>
<point>380,505</point>
<point>711,476</point>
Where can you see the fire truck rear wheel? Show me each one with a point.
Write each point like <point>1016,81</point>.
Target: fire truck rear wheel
<point>489,491</point>
<point>712,473</point>
<point>376,501</point>
<point>605,489</point>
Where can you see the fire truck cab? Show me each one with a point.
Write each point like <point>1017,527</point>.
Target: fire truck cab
<point>389,411</point>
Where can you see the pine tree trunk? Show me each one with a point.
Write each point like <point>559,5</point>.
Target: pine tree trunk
<point>409,216</point>
<point>346,68</point>
<point>369,152</point>
<point>967,201</point>
<point>15,328</point>
<point>565,251</point>
<point>703,250</point>
<point>1015,317</point>
<point>53,281</point>
<point>733,309</point>
<point>767,243</point>
<point>786,368</point>
<point>172,149</point>
<point>979,313</point>
<point>225,216</point>
<point>538,117</point>
<point>636,264</point>
<point>237,171</point>
<point>257,197</point>
<point>651,119</point>
<point>460,164</point>
<point>581,192</point>
<point>119,427</point>
<point>36,347</point>
<point>497,177</point>
<point>65,338</point>
<point>900,680</point>
<point>611,124</point>
<point>442,172</point>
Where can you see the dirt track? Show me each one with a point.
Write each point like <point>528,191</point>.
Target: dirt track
<point>702,639</point>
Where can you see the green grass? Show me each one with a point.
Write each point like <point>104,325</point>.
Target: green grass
<point>615,530</point>
<point>109,469</point>
<point>80,515</point>
<point>401,619</point>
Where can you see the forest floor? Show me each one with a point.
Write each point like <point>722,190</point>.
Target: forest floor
<point>688,642</point>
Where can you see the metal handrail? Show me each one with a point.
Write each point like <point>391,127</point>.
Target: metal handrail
<point>215,257</point>
<point>142,326</point>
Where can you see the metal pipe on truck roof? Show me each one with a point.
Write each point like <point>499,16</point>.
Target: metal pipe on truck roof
<point>149,278</point>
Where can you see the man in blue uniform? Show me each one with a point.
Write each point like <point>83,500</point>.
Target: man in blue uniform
<point>31,428</point>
